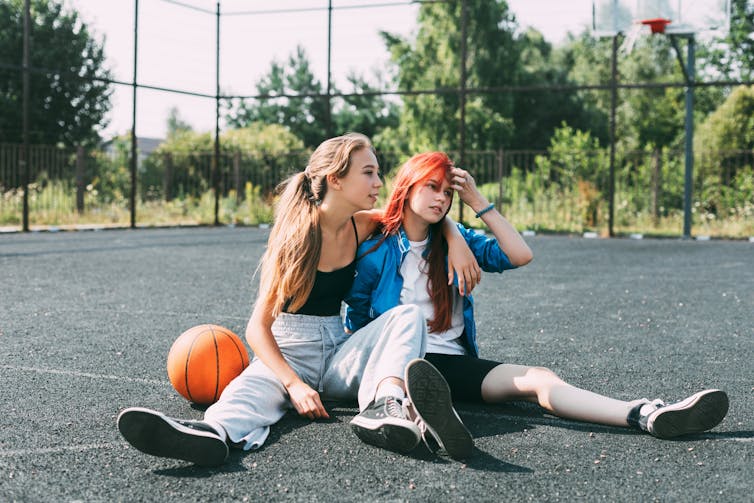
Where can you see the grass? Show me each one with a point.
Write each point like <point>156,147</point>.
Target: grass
<point>543,209</point>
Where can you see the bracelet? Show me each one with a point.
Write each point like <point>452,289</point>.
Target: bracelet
<point>485,210</point>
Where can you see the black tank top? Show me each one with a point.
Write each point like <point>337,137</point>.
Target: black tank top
<point>330,288</point>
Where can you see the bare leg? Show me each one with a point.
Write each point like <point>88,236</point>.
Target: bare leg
<point>542,386</point>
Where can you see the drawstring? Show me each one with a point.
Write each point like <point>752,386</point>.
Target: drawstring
<point>323,331</point>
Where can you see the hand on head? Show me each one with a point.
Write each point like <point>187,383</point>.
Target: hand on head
<point>463,183</point>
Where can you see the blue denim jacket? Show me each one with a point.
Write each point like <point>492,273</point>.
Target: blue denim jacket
<point>378,282</point>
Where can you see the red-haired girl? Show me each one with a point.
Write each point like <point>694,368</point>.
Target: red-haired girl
<point>406,265</point>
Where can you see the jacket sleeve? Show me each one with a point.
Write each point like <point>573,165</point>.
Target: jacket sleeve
<point>358,299</point>
<point>486,250</point>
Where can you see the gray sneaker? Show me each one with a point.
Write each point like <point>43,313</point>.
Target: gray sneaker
<point>430,399</point>
<point>700,412</point>
<point>154,433</point>
<point>384,424</point>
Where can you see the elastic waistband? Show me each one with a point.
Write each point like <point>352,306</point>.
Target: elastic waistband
<point>305,326</point>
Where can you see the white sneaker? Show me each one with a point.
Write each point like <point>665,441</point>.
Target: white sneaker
<point>154,433</point>
<point>700,412</point>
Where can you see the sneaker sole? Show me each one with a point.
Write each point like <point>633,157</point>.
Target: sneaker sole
<point>698,413</point>
<point>394,436</point>
<point>430,395</point>
<point>153,433</point>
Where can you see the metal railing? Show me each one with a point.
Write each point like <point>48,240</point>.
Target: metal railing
<point>541,190</point>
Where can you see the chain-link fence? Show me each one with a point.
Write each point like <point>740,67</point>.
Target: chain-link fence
<point>549,190</point>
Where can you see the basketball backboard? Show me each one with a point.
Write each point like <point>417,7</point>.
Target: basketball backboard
<point>687,17</point>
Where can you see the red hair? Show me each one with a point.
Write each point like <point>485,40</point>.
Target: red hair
<point>417,171</point>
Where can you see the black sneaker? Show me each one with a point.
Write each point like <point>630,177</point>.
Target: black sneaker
<point>429,395</point>
<point>383,423</point>
<point>698,413</point>
<point>154,433</point>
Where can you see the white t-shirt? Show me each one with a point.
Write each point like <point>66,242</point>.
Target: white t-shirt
<point>415,280</point>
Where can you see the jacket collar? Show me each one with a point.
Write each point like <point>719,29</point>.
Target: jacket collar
<point>404,245</point>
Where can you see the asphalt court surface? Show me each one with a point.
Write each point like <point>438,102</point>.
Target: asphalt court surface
<point>87,318</point>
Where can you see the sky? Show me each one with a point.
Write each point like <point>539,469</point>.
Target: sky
<point>177,46</point>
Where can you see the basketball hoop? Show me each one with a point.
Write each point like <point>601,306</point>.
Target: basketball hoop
<point>657,25</point>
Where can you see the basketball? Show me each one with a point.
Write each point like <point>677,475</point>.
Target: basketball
<point>203,360</point>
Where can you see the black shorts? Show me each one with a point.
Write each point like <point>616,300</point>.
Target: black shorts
<point>464,374</point>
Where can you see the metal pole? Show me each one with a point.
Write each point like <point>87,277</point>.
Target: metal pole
<point>24,157</point>
<point>613,105</point>
<point>462,98</point>
<point>216,157</point>
<point>134,151</point>
<point>329,70</point>
<point>689,150</point>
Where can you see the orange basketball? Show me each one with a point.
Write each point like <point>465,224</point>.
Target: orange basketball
<point>203,360</point>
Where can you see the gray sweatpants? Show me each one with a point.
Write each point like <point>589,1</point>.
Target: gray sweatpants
<point>337,365</point>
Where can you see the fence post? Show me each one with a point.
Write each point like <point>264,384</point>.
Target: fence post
<point>80,179</point>
<point>656,174</point>
<point>500,180</point>
<point>237,175</point>
<point>167,181</point>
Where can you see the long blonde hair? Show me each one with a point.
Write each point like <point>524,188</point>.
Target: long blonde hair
<point>289,264</point>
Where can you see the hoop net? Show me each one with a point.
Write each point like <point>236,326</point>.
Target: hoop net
<point>646,26</point>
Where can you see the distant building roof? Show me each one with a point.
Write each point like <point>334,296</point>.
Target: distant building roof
<point>144,145</point>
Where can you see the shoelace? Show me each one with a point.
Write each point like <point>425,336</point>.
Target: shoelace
<point>393,407</point>
<point>410,413</point>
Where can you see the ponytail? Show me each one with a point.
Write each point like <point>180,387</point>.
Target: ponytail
<point>289,264</point>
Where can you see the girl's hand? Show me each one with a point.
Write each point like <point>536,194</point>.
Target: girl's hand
<point>462,262</point>
<point>306,401</point>
<point>463,183</point>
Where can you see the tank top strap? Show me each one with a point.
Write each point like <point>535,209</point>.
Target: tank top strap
<point>355,232</point>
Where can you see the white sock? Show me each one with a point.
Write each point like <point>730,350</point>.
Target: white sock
<point>390,389</point>
<point>650,407</point>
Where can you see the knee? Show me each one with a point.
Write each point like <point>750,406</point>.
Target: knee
<point>544,375</point>
<point>409,312</point>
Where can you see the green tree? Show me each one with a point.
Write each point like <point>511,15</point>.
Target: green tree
<point>363,111</point>
<point>537,114</point>
<point>432,60</point>
<point>644,116</point>
<point>732,56</point>
<point>586,59</point>
<point>306,117</point>
<point>723,146</point>
<point>66,106</point>
<point>731,126</point>
<point>182,163</point>
<point>176,125</point>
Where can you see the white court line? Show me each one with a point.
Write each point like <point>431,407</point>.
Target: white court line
<point>58,450</point>
<point>83,374</point>
<point>132,312</point>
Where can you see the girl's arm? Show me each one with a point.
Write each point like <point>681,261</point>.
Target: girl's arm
<point>259,335</point>
<point>508,238</point>
<point>461,260</point>
<point>367,222</point>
